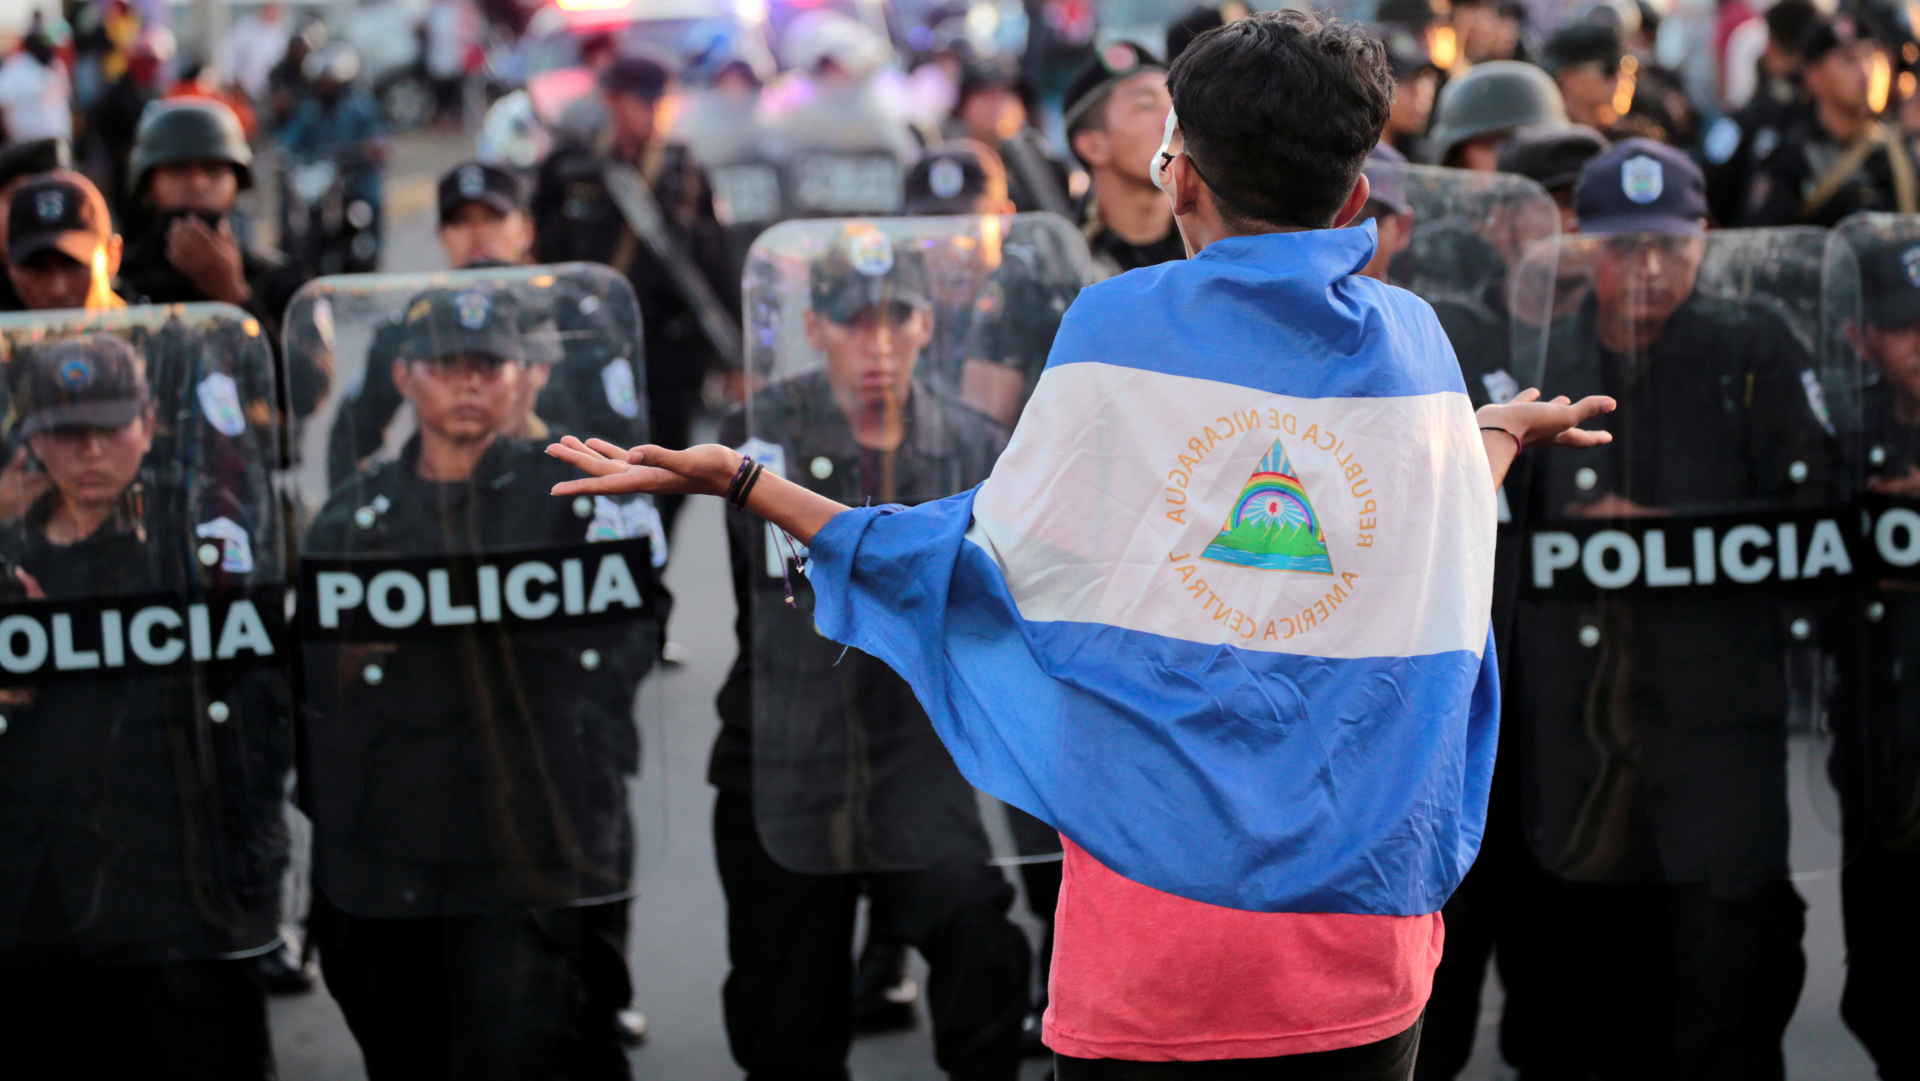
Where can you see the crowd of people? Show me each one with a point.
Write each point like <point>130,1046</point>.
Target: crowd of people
<point>856,257</point>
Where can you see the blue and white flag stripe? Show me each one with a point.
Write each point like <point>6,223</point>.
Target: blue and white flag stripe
<point>1305,720</point>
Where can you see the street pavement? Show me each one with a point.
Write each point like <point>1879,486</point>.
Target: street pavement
<point>678,948</point>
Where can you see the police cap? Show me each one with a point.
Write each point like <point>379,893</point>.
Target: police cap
<point>1407,53</point>
<point>95,380</point>
<point>479,182</point>
<point>864,270</point>
<point>193,130</point>
<point>1582,43</point>
<point>61,212</point>
<point>1088,90</point>
<point>952,178</point>
<point>1492,99</point>
<point>638,76</point>
<point>1640,186</point>
<point>1825,35</point>
<point>1890,283</point>
<point>34,156</point>
<point>1386,174</point>
<point>1551,155</point>
<point>1412,13</point>
<point>474,320</point>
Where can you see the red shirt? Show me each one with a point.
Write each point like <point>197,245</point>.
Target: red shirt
<point>1147,976</point>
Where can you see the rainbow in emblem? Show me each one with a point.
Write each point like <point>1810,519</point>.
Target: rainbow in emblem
<point>1272,526</point>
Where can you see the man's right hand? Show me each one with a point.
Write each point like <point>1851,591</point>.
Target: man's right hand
<point>1908,485</point>
<point>19,488</point>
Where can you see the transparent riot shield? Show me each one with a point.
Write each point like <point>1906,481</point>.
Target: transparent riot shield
<point>1478,247</point>
<point>145,714</point>
<point>1871,300</point>
<point>1473,245</point>
<point>1683,606</point>
<point>474,649</point>
<point>862,334</point>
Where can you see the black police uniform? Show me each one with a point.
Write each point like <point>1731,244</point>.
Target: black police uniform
<point>1737,143</point>
<point>1018,310</point>
<point>575,218</point>
<point>1672,930</point>
<point>789,1005</point>
<point>1783,180</point>
<point>1878,774</point>
<point>482,755</point>
<point>1114,255</point>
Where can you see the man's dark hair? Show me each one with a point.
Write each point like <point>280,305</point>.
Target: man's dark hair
<point>1787,21</point>
<point>1278,111</point>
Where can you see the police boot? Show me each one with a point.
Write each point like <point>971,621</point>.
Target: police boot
<point>883,993</point>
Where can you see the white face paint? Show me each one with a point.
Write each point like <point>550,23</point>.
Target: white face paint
<point>1160,161</point>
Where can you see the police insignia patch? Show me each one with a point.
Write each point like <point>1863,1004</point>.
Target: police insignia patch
<point>870,252</point>
<point>471,182</point>
<point>473,309</point>
<point>1910,262</point>
<point>76,375</point>
<point>1642,179</point>
<point>50,205</point>
<point>946,178</point>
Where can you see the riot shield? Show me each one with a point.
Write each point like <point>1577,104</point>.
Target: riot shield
<point>1871,301</point>
<point>474,649</point>
<point>861,332</point>
<point>145,714</point>
<point>1682,609</point>
<point>1476,246</point>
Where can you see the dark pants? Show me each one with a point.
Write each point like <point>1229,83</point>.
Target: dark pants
<point>1882,998</point>
<point>526,995</point>
<point>1390,1059</point>
<point>185,1021</point>
<point>1495,915</point>
<point>789,997</point>
<point>1651,981</point>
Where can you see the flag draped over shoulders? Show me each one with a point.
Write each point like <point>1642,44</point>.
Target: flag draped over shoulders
<point>1221,613</point>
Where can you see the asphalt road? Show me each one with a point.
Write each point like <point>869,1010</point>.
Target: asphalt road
<point>678,950</point>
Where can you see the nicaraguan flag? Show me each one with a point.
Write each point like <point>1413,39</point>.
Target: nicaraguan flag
<point>1220,615</point>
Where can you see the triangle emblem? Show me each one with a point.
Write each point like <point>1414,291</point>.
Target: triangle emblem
<point>1272,526</point>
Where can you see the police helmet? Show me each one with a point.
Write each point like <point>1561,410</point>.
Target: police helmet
<point>1494,97</point>
<point>192,130</point>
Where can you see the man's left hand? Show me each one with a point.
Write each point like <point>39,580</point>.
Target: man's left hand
<point>209,258</point>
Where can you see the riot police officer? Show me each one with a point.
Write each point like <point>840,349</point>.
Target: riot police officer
<point>1478,111</point>
<point>1836,157</point>
<point>485,221</point>
<point>865,426</point>
<point>18,162</point>
<point>1654,721</point>
<point>1750,134</point>
<point>141,810</point>
<point>577,218</point>
<point>190,163</point>
<point>57,229</point>
<point>473,843</point>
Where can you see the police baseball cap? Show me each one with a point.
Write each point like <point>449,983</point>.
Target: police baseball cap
<point>1386,175</point>
<point>479,182</point>
<point>1120,60</point>
<point>1825,35</point>
<point>95,380</point>
<point>862,270</point>
<point>1582,43</point>
<point>1412,13</point>
<point>952,178</point>
<point>62,212</point>
<point>640,76</point>
<point>34,156</point>
<point>475,320</point>
<point>1407,53</point>
<point>1551,155</point>
<point>1640,186</point>
<point>1890,282</point>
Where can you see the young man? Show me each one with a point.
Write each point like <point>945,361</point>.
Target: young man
<point>1256,846</point>
<point>1114,111</point>
<point>59,239</point>
<point>1584,60</point>
<point>1387,208</point>
<point>1553,155</point>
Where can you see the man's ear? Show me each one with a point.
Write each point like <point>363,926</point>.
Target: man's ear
<point>403,379</point>
<point>1184,184</point>
<point>115,248</point>
<point>1091,145</point>
<point>1356,201</point>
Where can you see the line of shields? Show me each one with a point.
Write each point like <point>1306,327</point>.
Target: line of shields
<point>1707,647</point>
